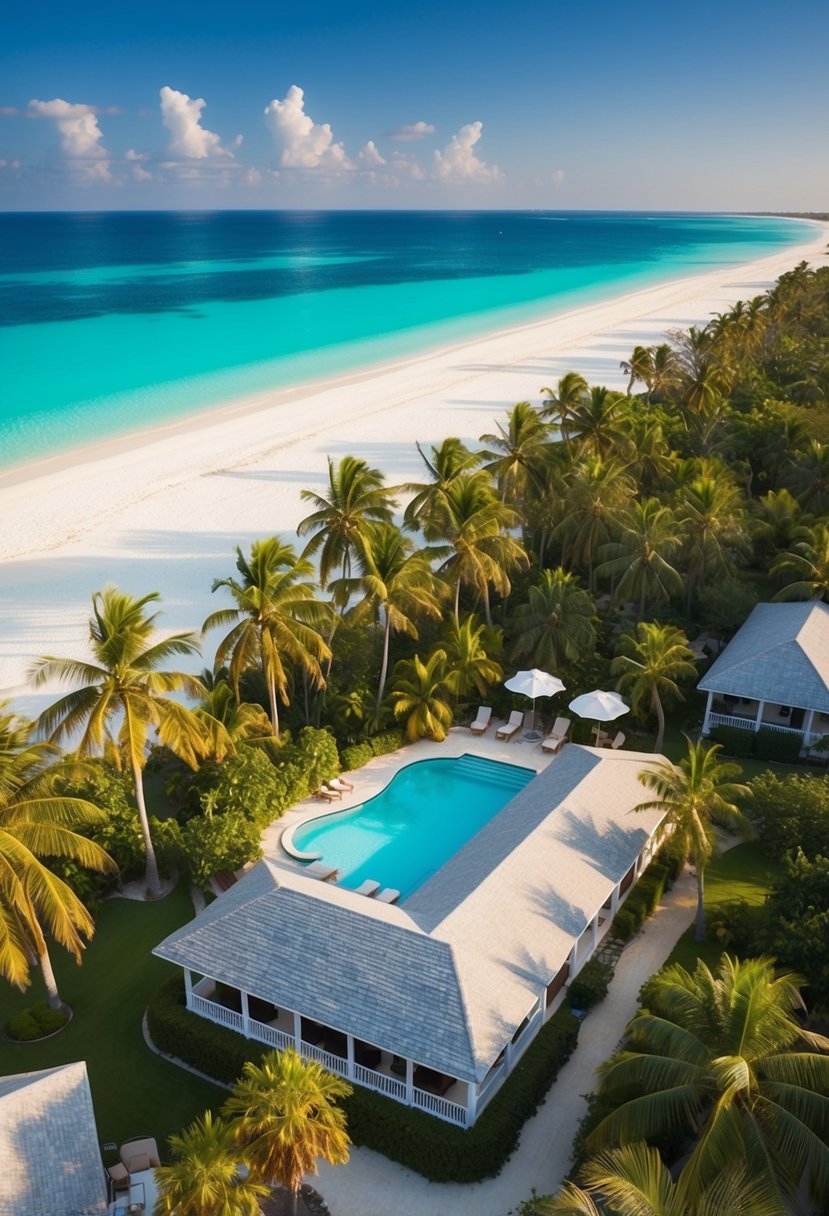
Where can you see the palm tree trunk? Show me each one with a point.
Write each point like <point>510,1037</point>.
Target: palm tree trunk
<point>384,668</point>
<point>457,601</point>
<point>153,880</point>
<point>487,610</point>
<point>660,718</point>
<point>699,934</point>
<point>50,983</point>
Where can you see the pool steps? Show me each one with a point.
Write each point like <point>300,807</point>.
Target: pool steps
<point>494,772</point>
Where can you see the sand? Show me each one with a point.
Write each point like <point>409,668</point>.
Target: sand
<point>162,510</point>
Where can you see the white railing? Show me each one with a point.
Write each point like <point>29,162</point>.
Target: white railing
<point>333,1063</point>
<point>380,1081</point>
<point>270,1035</point>
<point>452,1112</point>
<point>216,1012</point>
<point>490,1082</point>
<point>730,720</point>
<point>752,724</point>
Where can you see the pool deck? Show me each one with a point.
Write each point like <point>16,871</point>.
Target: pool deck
<point>376,775</point>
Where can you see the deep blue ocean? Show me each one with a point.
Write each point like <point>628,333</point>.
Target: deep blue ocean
<point>114,321</point>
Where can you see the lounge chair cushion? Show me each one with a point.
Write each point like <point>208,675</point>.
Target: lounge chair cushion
<point>120,1176</point>
<point>138,1163</point>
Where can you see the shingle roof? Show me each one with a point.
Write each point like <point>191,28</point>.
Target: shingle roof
<point>49,1157</point>
<point>780,654</point>
<point>446,978</point>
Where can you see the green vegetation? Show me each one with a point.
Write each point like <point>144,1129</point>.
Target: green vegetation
<point>36,1022</point>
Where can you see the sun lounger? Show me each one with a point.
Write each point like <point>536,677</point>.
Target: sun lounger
<point>369,887</point>
<point>618,740</point>
<point>557,736</point>
<point>138,1155</point>
<point>318,869</point>
<point>614,741</point>
<point>337,783</point>
<point>481,723</point>
<point>516,721</point>
<point>387,896</point>
<point>328,795</point>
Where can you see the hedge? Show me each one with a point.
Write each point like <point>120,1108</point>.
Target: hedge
<point>358,754</point>
<point>642,902</point>
<point>733,740</point>
<point>590,985</point>
<point>437,1150</point>
<point>777,745</point>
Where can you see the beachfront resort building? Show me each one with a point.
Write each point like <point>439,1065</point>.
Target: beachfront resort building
<point>774,673</point>
<point>433,1000</point>
<point>50,1162</point>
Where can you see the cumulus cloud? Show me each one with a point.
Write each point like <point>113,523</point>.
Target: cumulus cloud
<point>457,164</point>
<point>369,155</point>
<point>80,135</point>
<point>407,165</point>
<point>412,131</point>
<point>303,143</point>
<point>141,174</point>
<point>131,154</point>
<point>9,111</point>
<point>181,116</point>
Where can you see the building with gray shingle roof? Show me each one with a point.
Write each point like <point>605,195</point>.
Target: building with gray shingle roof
<point>50,1164</point>
<point>458,978</point>
<point>774,673</point>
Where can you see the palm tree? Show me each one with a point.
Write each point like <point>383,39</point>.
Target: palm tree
<point>713,520</point>
<point>648,665</point>
<point>417,694</point>
<point>653,461</point>
<point>556,625</point>
<point>126,681</point>
<point>808,478</point>
<point>694,797</point>
<point>427,511</point>
<point>664,371</point>
<point>521,451</point>
<point>641,557</point>
<point>229,722</point>
<point>638,367</point>
<point>356,498</point>
<point>37,822</point>
<point>805,567</point>
<point>562,401</point>
<point>597,423</point>
<point>720,1055</point>
<point>634,1181</point>
<point>277,617</point>
<point>398,584</point>
<point>203,1178</point>
<point>477,552</point>
<point>776,522</point>
<point>596,491</point>
<point>468,648</point>
<point>286,1118</point>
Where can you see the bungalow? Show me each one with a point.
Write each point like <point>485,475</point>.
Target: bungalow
<point>774,673</point>
<point>49,1151</point>
<point>432,1001</point>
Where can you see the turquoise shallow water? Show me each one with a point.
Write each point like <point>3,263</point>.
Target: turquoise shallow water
<point>427,812</point>
<point>111,322</point>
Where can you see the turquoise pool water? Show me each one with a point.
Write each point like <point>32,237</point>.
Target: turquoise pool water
<point>426,813</point>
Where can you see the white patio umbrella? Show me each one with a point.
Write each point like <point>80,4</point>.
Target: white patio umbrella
<point>534,684</point>
<point>600,706</point>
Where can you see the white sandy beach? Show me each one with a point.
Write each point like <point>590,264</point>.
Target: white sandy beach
<point>164,509</point>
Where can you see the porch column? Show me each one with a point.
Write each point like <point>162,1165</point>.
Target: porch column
<point>638,869</point>
<point>707,714</point>
<point>349,1048</point>
<point>297,1030</point>
<point>573,959</point>
<point>471,1102</point>
<point>807,727</point>
<point>614,900</point>
<point>542,1002</point>
<point>188,986</point>
<point>759,718</point>
<point>409,1083</point>
<point>594,934</point>
<point>245,1015</point>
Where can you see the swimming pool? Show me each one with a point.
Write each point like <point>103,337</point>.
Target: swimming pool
<point>403,835</point>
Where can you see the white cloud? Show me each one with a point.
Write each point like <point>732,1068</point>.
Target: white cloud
<point>303,143</point>
<point>253,177</point>
<point>141,175</point>
<point>131,154</point>
<point>369,155</point>
<point>181,116</point>
<point>458,164</point>
<point>558,176</point>
<point>411,131</point>
<point>80,135</point>
<point>407,165</point>
<point>9,111</point>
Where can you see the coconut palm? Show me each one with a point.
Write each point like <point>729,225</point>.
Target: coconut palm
<point>639,560</point>
<point>634,1181</point>
<point>563,400</point>
<point>520,454</point>
<point>596,491</point>
<point>776,522</point>
<point>125,681</point>
<point>427,510</point>
<point>713,520</point>
<point>418,694</point>
<point>356,498</point>
<point>695,796</point>
<point>556,625</point>
<point>277,619</point>
<point>597,423</point>
<point>477,552</point>
<point>468,646</point>
<point>804,568</point>
<point>38,823</point>
<point>808,478</point>
<point>721,1056</point>
<point>397,584</point>
<point>638,367</point>
<point>203,1178</point>
<point>286,1119</point>
<point>653,461</point>
<point>229,723</point>
<point>664,372</point>
<point>648,665</point>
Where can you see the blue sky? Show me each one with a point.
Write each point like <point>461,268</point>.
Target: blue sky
<point>459,104</point>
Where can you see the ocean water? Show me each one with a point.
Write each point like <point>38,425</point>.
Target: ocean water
<point>114,321</point>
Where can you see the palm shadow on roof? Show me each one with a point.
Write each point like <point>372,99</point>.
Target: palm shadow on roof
<point>610,851</point>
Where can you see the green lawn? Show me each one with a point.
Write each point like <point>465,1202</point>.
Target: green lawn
<point>134,1091</point>
<point>744,872</point>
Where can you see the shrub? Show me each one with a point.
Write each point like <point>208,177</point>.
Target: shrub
<point>733,739</point>
<point>777,745</point>
<point>625,925</point>
<point>224,842</point>
<point>590,985</point>
<point>36,1022</point>
<point>416,1140</point>
<point>356,756</point>
<point>790,813</point>
<point>387,741</point>
<point>672,856</point>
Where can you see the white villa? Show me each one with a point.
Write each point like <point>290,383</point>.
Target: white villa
<point>432,1001</point>
<point>774,673</point>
